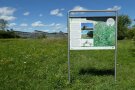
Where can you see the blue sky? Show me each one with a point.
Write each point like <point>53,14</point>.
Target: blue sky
<point>51,15</point>
<point>84,31</point>
<point>89,25</point>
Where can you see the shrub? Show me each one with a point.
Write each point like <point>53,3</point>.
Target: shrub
<point>130,33</point>
<point>8,34</point>
<point>123,22</point>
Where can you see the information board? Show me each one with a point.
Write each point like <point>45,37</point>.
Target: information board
<point>97,32</point>
<point>93,31</point>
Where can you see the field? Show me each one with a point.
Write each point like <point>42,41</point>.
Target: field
<point>41,64</point>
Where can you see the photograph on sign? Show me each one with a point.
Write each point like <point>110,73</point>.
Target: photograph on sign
<point>92,32</point>
<point>87,34</point>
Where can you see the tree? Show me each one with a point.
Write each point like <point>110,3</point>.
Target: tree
<point>84,27</point>
<point>3,24</point>
<point>90,34</point>
<point>130,33</point>
<point>123,22</point>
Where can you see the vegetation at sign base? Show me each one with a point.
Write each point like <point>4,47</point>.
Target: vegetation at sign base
<point>41,64</point>
<point>104,35</point>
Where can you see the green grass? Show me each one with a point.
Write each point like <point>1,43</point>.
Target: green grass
<point>85,36</point>
<point>41,64</point>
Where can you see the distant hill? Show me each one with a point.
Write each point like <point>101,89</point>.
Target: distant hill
<point>38,34</point>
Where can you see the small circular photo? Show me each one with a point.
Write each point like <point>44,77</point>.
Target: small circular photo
<point>110,22</point>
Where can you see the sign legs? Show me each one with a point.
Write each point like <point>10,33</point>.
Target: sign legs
<point>69,65</point>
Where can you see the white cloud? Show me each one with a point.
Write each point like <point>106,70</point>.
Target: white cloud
<point>57,12</point>
<point>57,24</point>
<point>65,28</point>
<point>56,27</point>
<point>46,30</point>
<point>12,24</point>
<point>78,8</point>
<point>30,28</point>
<point>37,24</point>
<point>62,9</point>
<point>24,25</point>
<point>26,13</point>
<point>8,18</point>
<point>52,24</point>
<point>6,13</point>
<point>115,8</point>
<point>49,27</point>
<point>40,15</point>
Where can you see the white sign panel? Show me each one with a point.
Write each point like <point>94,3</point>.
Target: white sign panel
<point>92,33</point>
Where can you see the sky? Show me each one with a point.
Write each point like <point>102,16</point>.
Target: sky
<point>88,25</point>
<point>51,15</point>
<point>84,31</point>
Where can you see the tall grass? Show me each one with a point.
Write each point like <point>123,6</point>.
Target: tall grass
<point>41,64</point>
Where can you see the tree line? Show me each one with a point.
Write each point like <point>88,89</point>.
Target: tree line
<point>4,32</point>
<point>125,30</point>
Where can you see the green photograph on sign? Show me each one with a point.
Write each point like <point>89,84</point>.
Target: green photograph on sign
<point>98,31</point>
<point>104,33</point>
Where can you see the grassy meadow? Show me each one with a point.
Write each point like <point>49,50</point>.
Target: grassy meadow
<point>41,64</point>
